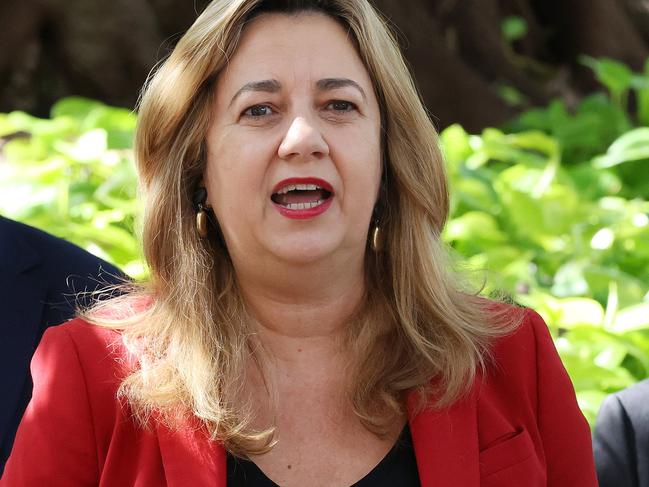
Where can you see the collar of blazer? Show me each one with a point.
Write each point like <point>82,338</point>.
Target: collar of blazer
<point>188,453</point>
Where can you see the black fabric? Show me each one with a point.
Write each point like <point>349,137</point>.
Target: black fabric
<point>397,469</point>
<point>39,275</point>
<point>621,439</point>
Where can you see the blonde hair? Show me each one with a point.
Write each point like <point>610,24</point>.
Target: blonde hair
<point>190,337</point>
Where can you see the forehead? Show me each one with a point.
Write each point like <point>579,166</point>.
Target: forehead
<point>293,47</point>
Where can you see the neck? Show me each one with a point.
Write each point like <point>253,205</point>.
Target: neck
<point>300,308</point>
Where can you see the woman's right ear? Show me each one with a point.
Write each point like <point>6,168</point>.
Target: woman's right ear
<point>200,206</point>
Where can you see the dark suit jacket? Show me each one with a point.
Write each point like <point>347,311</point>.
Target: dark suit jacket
<point>519,425</point>
<point>621,440</point>
<point>35,293</point>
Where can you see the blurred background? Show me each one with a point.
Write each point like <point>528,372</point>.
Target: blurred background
<point>478,62</point>
<point>543,108</point>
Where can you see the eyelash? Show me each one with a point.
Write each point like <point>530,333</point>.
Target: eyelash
<point>349,107</point>
<point>248,111</point>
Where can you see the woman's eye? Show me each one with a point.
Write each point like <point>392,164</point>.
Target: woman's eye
<point>341,106</point>
<point>258,111</point>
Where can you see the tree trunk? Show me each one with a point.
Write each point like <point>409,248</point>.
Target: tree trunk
<point>104,50</point>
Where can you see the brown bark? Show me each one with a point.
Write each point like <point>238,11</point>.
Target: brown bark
<point>597,28</point>
<point>104,50</point>
<point>450,88</point>
<point>478,23</point>
<point>638,13</point>
<point>19,22</point>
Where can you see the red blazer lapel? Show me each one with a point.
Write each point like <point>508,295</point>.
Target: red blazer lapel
<point>190,458</point>
<point>446,444</point>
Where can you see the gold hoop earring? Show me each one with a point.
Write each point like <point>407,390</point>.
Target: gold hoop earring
<point>376,238</point>
<point>200,196</point>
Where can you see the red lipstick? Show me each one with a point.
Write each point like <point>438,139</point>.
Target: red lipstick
<point>301,207</point>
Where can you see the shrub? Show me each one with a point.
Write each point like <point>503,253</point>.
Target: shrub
<point>553,208</point>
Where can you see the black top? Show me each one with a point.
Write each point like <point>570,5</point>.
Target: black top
<point>397,469</point>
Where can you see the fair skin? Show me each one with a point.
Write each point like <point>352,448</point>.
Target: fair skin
<point>277,115</point>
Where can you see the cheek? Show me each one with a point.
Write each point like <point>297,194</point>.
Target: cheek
<point>226,189</point>
<point>234,178</point>
<point>362,173</point>
<point>226,195</point>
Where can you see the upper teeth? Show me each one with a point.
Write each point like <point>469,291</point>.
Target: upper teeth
<point>301,187</point>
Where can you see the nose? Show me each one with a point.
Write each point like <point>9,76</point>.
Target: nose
<point>303,141</point>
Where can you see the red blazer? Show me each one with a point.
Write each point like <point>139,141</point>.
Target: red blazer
<point>519,425</point>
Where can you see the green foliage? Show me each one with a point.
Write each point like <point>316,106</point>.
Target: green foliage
<point>73,176</point>
<point>556,210</point>
<point>513,28</point>
<point>554,207</point>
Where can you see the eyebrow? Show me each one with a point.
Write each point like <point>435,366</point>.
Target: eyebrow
<point>328,84</point>
<point>266,85</point>
<point>274,86</point>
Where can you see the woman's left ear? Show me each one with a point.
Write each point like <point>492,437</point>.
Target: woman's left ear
<point>375,225</point>
<point>377,213</point>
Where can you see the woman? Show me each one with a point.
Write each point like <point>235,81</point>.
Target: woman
<point>300,326</point>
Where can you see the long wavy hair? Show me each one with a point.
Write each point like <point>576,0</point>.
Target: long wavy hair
<point>188,327</point>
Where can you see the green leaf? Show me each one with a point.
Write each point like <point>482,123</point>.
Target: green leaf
<point>534,214</point>
<point>616,76</point>
<point>474,226</point>
<point>641,85</point>
<point>513,28</point>
<point>572,312</point>
<point>511,96</point>
<point>631,146</point>
<point>632,318</point>
<point>74,107</point>
<point>6,125</point>
<point>472,193</point>
<point>570,280</point>
<point>455,145</point>
<point>87,148</point>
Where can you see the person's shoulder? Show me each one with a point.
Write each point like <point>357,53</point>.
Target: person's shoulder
<point>512,365</point>
<point>53,251</point>
<point>81,332</point>
<point>522,369</point>
<point>98,350</point>
<point>635,393</point>
<point>92,332</point>
<point>528,331</point>
<point>634,402</point>
<point>39,239</point>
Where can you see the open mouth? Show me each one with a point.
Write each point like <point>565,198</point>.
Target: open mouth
<point>301,196</point>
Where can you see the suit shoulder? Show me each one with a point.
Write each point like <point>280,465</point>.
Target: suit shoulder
<point>636,393</point>
<point>55,251</point>
<point>634,401</point>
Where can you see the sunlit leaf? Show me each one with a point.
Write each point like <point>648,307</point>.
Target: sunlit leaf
<point>455,145</point>
<point>632,146</point>
<point>571,312</point>
<point>632,318</point>
<point>616,76</point>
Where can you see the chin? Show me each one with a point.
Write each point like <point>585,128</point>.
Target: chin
<point>304,252</point>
